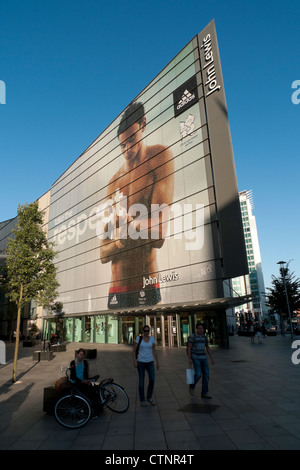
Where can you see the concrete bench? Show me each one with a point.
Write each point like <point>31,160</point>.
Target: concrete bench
<point>36,356</point>
<point>46,355</point>
<point>58,347</point>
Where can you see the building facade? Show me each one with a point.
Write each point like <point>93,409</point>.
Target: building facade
<point>252,283</point>
<point>147,221</point>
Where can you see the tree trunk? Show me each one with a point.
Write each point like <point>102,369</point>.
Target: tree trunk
<point>14,377</point>
<point>46,332</point>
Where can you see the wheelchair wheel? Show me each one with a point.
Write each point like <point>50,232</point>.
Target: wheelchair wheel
<point>114,397</point>
<point>72,411</point>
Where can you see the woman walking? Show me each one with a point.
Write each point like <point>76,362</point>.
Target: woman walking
<point>143,361</point>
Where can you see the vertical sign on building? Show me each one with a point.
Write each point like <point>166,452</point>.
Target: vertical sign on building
<point>223,167</point>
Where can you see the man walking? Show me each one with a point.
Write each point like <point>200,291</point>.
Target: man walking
<point>197,348</point>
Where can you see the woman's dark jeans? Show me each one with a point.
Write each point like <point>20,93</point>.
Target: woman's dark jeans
<point>149,367</point>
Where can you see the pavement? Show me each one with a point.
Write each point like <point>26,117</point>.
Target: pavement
<point>255,392</point>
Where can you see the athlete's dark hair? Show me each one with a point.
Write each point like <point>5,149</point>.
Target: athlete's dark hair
<point>134,113</point>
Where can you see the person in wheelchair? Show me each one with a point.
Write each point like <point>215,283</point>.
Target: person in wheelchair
<point>79,375</point>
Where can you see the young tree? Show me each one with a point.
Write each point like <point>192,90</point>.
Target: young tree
<point>30,268</point>
<point>276,296</point>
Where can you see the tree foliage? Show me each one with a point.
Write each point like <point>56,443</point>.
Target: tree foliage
<point>31,273</point>
<point>276,296</point>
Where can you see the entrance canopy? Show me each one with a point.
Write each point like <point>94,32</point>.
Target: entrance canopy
<point>212,304</point>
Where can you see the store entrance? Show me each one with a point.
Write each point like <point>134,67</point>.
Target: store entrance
<point>171,329</point>
<point>156,329</point>
<point>164,328</point>
<point>128,330</point>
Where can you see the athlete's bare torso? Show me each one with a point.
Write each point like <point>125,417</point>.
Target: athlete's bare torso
<point>145,178</point>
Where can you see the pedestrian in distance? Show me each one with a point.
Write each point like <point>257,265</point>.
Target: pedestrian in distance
<point>15,336</point>
<point>144,362</point>
<point>252,333</point>
<point>258,332</point>
<point>197,349</point>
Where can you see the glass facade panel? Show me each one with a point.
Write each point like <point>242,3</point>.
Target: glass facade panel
<point>88,330</point>
<point>168,330</point>
<point>68,329</point>
<point>127,329</point>
<point>100,328</point>
<point>185,328</point>
<point>112,330</point>
<point>77,329</point>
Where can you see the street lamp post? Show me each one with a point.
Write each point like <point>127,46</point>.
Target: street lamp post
<point>282,270</point>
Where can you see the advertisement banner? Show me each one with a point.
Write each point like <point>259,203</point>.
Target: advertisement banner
<point>133,217</point>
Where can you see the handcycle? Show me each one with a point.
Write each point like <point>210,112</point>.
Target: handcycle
<point>74,409</point>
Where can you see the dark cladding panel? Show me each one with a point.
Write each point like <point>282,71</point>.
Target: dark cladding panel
<point>223,167</point>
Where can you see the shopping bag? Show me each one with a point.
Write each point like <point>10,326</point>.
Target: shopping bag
<point>190,376</point>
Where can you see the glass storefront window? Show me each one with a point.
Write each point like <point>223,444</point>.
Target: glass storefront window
<point>128,327</point>
<point>168,330</point>
<point>112,329</point>
<point>100,327</point>
<point>68,329</point>
<point>185,329</point>
<point>88,330</point>
<point>77,329</point>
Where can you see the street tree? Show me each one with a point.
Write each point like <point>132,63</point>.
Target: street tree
<point>276,295</point>
<point>31,272</point>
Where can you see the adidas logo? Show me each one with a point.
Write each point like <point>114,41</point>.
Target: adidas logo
<point>186,98</point>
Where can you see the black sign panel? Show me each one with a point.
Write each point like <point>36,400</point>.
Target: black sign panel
<point>185,96</point>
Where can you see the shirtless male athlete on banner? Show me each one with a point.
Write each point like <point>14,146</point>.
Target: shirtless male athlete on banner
<point>144,182</point>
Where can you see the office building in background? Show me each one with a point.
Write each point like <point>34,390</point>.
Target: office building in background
<point>252,283</point>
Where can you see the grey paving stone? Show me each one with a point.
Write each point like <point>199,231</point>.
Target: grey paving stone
<point>254,405</point>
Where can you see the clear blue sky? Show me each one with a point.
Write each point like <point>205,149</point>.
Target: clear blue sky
<point>70,67</point>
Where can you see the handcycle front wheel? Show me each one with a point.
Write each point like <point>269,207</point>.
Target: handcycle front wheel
<point>114,397</point>
<point>72,411</point>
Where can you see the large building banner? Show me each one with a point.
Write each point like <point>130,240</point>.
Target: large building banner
<point>135,218</point>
